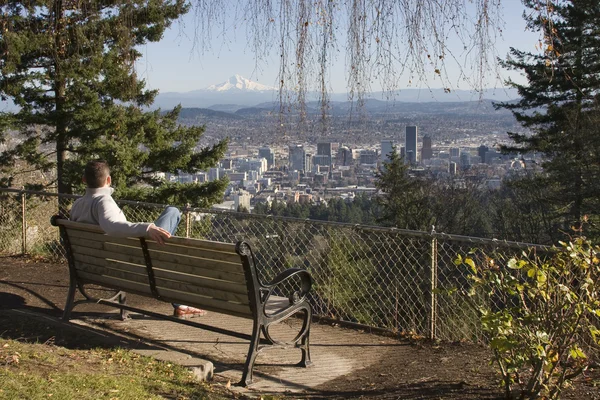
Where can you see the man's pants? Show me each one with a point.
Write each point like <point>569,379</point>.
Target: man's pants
<point>169,219</point>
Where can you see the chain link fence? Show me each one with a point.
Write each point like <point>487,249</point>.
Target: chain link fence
<point>391,279</point>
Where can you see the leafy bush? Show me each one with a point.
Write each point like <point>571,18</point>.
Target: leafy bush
<point>543,318</point>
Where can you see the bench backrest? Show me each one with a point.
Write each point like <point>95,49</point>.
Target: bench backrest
<point>201,273</point>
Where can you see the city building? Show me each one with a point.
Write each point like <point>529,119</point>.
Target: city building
<point>237,176</point>
<point>411,144</point>
<point>368,157</point>
<point>426,150</point>
<point>322,159</point>
<point>465,160</point>
<point>324,149</point>
<point>214,174</point>
<point>297,158</point>
<point>344,157</point>
<point>308,163</point>
<point>241,200</point>
<point>481,151</point>
<point>452,168</point>
<point>268,154</point>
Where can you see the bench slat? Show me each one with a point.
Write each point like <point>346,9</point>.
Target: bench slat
<point>135,273</point>
<point>116,283</point>
<point>206,303</point>
<point>202,291</point>
<point>203,244</point>
<point>159,256</point>
<point>88,251</point>
<point>203,281</point>
<point>115,273</point>
<point>101,237</point>
<point>194,252</point>
<point>81,259</point>
<point>199,271</point>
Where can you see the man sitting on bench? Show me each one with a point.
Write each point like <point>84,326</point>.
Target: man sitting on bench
<point>99,208</point>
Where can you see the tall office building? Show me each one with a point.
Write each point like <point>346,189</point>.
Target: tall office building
<point>387,148</point>
<point>454,152</point>
<point>411,144</point>
<point>297,158</point>
<point>481,150</point>
<point>344,156</point>
<point>308,162</point>
<point>268,154</point>
<point>465,160</point>
<point>426,151</point>
<point>324,153</point>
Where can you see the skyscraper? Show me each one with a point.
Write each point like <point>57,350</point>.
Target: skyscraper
<point>426,151</point>
<point>344,156</point>
<point>297,158</point>
<point>411,144</point>
<point>324,149</point>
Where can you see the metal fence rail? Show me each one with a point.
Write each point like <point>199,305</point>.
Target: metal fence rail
<point>384,278</point>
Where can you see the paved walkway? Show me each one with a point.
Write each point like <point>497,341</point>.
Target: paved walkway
<point>335,351</point>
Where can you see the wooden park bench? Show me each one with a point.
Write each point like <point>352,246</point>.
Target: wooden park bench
<point>215,276</point>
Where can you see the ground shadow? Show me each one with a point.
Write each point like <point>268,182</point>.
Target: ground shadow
<point>37,325</point>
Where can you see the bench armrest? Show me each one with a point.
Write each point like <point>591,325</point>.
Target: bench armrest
<point>55,218</point>
<point>305,283</point>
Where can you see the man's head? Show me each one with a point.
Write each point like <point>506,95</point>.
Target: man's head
<point>97,174</point>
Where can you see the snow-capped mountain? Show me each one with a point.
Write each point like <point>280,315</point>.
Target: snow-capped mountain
<point>239,83</point>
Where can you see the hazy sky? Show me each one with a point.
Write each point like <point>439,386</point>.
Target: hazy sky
<point>173,65</point>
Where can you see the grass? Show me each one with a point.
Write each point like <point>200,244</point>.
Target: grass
<point>46,371</point>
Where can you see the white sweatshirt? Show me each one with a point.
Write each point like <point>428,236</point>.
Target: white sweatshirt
<point>98,207</point>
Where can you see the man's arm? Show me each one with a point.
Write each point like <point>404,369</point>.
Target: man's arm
<point>112,221</point>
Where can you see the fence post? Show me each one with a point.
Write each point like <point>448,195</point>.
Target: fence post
<point>23,225</point>
<point>187,220</point>
<point>433,286</point>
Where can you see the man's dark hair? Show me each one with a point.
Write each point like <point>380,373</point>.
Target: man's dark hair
<point>96,172</point>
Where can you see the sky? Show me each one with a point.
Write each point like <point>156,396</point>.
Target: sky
<point>175,65</point>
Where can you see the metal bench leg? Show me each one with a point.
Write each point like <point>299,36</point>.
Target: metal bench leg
<point>123,300</point>
<point>305,341</point>
<point>252,353</point>
<point>70,300</point>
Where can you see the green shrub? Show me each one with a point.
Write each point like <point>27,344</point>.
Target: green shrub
<point>543,318</point>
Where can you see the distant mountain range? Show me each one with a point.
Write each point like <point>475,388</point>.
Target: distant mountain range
<point>238,93</point>
<point>371,108</point>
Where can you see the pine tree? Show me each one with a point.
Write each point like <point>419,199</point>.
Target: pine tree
<point>404,200</point>
<point>559,104</point>
<point>69,66</point>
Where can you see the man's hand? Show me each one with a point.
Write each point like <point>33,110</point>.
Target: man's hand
<point>158,234</point>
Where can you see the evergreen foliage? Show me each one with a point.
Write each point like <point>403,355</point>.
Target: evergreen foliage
<point>70,68</point>
<point>405,201</point>
<point>559,105</point>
